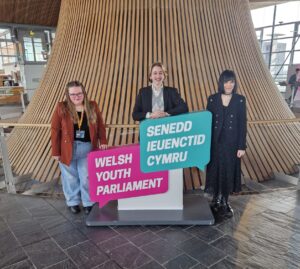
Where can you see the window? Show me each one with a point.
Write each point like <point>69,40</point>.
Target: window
<point>297,40</point>
<point>280,58</point>
<point>38,47</point>
<point>7,47</point>
<point>288,12</point>
<point>297,45</point>
<point>283,52</point>
<point>33,49</point>
<point>28,46</point>
<point>265,46</point>
<point>296,57</point>
<point>282,44</point>
<point>262,16</point>
<point>284,31</point>
<point>267,34</point>
<point>266,57</point>
<point>258,34</point>
<point>279,72</point>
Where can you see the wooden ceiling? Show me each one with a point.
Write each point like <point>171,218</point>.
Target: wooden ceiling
<point>34,12</point>
<point>46,12</point>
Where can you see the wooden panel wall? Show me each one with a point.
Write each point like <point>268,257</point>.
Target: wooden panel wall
<point>109,45</point>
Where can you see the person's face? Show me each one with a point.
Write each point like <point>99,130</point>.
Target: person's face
<point>157,76</point>
<point>228,86</point>
<point>76,95</point>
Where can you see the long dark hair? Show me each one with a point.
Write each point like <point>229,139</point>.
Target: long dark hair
<point>89,110</point>
<point>227,75</point>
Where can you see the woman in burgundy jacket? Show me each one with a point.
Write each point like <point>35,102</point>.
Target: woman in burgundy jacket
<point>76,128</point>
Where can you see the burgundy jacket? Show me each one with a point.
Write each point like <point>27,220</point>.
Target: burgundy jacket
<point>62,133</point>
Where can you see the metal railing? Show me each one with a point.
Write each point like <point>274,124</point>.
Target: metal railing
<point>10,180</point>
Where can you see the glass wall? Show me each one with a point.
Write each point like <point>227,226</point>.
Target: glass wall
<point>19,45</point>
<point>8,52</point>
<point>34,48</point>
<point>278,31</point>
<point>24,51</point>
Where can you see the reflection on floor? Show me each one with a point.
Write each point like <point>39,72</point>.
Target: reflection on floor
<point>42,233</point>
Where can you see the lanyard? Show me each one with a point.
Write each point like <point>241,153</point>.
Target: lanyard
<point>79,122</point>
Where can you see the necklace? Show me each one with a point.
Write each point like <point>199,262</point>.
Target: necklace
<point>227,94</point>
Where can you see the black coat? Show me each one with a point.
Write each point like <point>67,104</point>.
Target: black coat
<point>173,103</point>
<point>223,175</point>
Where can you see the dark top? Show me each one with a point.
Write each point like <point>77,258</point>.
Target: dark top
<point>222,135</point>
<point>294,84</point>
<point>229,128</point>
<point>234,121</point>
<point>173,103</point>
<point>292,80</point>
<point>84,127</point>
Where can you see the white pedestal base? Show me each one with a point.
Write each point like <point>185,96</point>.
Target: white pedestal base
<point>170,200</point>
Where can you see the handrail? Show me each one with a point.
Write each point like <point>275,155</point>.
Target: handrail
<point>295,120</point>
<point>48,125</point>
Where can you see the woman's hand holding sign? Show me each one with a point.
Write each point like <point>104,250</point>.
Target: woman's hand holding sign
<point>103,147</point>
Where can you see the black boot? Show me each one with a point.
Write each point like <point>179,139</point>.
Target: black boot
<point>226,209</point>
<point>229,211</point>
<point>87,209</point>
<point>215,203</point>
<point>75,209</point>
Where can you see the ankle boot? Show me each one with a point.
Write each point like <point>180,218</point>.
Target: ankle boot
<point>215,203</point>
<point>226,208</point>
<point>229,210</point>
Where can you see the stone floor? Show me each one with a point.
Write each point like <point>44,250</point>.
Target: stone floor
<point>41,233</point>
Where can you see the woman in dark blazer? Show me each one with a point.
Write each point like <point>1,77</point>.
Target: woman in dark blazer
<point>229,128</point>
<point>157,100</point>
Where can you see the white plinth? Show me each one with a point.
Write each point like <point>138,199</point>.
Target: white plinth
<point>172,199</point>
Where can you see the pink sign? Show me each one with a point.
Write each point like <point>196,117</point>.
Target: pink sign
<point>115,174</point>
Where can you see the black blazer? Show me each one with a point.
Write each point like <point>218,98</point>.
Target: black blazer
<point>173,103</point>
<point>234,125</point>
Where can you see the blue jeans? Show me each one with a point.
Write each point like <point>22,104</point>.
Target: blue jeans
<point>75,181</point>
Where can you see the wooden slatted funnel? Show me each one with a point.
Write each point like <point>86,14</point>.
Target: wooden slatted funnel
<point>109,45</point>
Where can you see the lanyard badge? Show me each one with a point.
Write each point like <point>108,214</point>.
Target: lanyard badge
<point>80,133</point>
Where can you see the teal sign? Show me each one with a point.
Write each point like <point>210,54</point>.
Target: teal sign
<point>176,142</point>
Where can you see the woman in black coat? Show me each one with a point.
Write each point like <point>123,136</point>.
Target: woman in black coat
<point>229,128</point>
<point>158,101</point>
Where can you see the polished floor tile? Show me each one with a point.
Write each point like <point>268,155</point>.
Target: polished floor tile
<point>44,253</point>
<point>42,233</point>
<point>162,251</point>
<point>202,251</point>
<point>181,262</point>
<point>129,256</point>
<point>87,255</point>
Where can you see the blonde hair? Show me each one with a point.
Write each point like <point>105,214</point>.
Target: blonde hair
<point>70,107</point>
<point>159,64</point>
